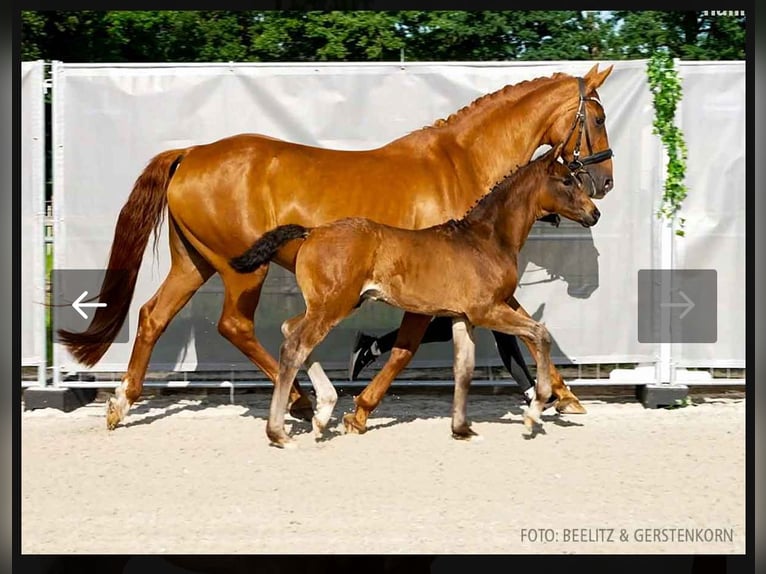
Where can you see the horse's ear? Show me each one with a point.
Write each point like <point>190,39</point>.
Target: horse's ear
<point>594,78</point>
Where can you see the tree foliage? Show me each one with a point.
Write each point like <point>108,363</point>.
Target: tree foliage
<point>278,36</point>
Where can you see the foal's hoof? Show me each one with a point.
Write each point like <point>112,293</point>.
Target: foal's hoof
<point>281,440</point>
<point>465,433</point>
<point>284,444</point>
<point>570,406</point>
<point>112,415</point>
<point>302,409</point>
<point>352,426</point>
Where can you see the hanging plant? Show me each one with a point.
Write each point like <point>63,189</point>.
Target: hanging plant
<point>665,86</point>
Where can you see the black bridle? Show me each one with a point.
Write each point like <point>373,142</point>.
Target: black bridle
<point>577,165</point>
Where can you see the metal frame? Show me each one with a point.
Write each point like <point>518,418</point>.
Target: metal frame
<point>38,248</point>
<point>664,369</point>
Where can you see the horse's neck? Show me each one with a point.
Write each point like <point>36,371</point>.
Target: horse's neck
<point>499,136</point>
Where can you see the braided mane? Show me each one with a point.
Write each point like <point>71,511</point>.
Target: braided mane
<point>505,92</point>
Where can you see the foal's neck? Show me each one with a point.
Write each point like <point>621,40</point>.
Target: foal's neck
<point>506,215</point>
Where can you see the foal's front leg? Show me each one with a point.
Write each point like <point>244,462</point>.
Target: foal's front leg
<point>568,402</point>
<point>506,320</point>
<point>465,358</point>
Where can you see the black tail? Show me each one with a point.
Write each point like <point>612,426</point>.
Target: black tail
<point>263,250</point>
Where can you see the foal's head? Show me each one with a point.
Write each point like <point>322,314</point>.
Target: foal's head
<point>560,192</point>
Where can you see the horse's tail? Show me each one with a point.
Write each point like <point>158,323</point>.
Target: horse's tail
<point>142,213</point>
<point>264,249</point>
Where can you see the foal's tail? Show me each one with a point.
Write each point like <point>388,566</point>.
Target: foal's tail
<point>263,250</point>
<point>142,213</point>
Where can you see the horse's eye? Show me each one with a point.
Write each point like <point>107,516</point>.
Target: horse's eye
<point>600,121</point>
<point>567,181</point>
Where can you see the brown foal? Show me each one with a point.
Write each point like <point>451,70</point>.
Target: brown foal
<point>465,269</point>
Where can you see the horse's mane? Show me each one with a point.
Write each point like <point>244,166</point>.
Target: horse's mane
<point>509,92</point>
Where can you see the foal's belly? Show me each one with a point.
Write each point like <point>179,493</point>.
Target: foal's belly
<point>423,273</point>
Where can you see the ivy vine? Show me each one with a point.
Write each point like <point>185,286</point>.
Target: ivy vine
<point>666,90</point>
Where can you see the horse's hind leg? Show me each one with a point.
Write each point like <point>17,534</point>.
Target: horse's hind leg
<point>188,272</point>
<point>408,339</point>
<point>465,359</point>
<point>567,403</point>
<point>242,293</point>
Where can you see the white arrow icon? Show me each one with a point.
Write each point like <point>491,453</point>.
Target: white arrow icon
<point>689,304</point>
<point>78,304</point>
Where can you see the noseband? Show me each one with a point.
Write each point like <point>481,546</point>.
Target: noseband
<point>577,165</point>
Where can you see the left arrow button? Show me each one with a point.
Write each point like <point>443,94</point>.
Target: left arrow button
<point>78,304</point>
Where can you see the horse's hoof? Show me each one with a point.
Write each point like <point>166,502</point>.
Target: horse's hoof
<point>317,427</point>
<point>352,426</point>
<point>288,444</point>
<point>570,406</point>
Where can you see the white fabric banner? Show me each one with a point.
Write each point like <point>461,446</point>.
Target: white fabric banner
<point>713,119</point>
<point>110,120</point>
<point>32,214</point>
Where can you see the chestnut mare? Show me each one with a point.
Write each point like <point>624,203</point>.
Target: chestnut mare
<point>222,196</point>
<point>466,269</point>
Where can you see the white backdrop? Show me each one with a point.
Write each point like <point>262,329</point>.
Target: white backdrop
<point>110,120</point>
<point>713,121</point>
<point>32,214</point>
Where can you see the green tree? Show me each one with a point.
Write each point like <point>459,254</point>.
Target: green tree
<point>325,36</point>
<point>686,35</point>
<point>278,36</point>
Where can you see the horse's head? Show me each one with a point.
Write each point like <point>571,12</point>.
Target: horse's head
<point>582,128</point>
<point>563,193</point>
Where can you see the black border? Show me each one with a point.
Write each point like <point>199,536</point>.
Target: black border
<point>596,563</point>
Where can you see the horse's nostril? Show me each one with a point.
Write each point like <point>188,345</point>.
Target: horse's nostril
<point>596,214</point>
<point>608,183</point>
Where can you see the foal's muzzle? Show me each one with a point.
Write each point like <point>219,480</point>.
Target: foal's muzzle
<point>591,218</point>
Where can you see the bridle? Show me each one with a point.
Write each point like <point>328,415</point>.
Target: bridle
<point>577,165</point>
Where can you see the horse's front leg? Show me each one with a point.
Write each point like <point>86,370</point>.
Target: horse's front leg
<point>567,403</point>
<point>408,339</point>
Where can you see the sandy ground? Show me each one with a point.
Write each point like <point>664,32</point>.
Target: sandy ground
<point>191,475</point>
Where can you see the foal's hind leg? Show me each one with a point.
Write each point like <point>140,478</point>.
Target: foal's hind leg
<point>567,403</point>
<point>242,292</point>
<point>302,335</point>
<point>408,339</point>
<point>326,395</point>
<point>188,271</point>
